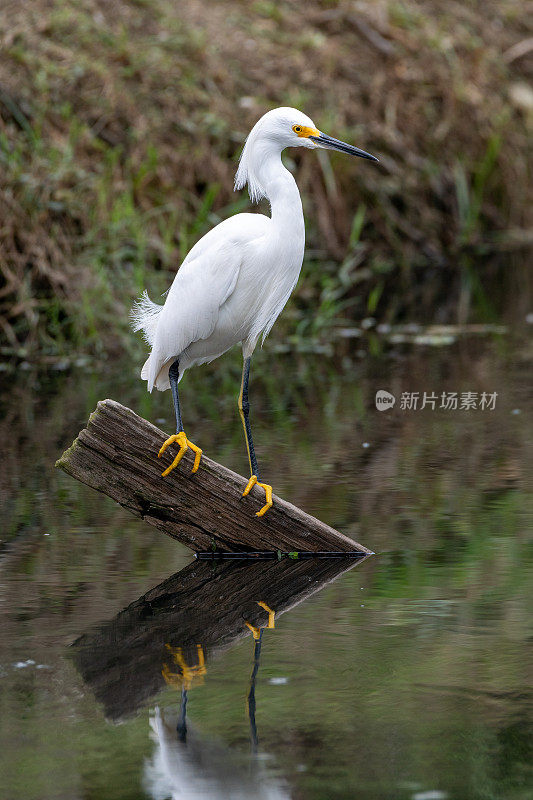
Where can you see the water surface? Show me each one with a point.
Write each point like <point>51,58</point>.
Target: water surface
<point>407,675</point>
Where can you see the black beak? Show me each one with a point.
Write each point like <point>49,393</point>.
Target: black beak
<point>335,144</point>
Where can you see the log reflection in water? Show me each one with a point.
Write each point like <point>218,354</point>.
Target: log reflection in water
<point>203,608</point>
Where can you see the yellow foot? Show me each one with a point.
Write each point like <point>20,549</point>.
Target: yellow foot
<point>268,494</point>
<point>184,443</point>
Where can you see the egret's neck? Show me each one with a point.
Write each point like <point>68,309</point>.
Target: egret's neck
<point>282,193</point>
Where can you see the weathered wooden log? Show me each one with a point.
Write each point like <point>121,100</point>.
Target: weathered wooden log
<point>117,454</point>
<point>122,660</point>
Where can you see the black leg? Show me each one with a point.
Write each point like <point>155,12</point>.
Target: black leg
<point>251,694</point>
<point>181,727</point>
<point>179,436</point>
<point>174,374</point>
<point>244,411</point>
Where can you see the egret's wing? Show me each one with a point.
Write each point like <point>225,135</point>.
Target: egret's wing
<point>200,288</point>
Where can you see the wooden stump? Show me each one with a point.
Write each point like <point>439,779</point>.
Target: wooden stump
<point>117,454</point>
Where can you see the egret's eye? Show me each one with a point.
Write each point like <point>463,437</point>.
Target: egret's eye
<point>297,128</point>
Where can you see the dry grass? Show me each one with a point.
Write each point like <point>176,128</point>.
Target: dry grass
<point>120,124</point>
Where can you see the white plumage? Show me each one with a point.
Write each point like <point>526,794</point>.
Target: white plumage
<point>236,280</point>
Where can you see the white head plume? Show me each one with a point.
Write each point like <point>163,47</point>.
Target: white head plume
<point>273,132</point>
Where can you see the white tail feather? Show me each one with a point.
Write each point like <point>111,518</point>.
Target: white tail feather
<point>144,316</point>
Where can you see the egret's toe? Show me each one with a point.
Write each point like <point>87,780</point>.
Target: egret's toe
<point>268,494</point>
<point>184,444</point>
<point>197,455</point>
<point>250,485</point>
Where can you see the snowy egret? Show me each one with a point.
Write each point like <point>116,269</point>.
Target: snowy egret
<point>235,281</point>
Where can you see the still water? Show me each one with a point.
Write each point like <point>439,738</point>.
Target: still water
<point>128,669</point>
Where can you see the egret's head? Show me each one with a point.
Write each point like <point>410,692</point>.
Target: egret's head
<point>287,127</point>
<point>276,130</point>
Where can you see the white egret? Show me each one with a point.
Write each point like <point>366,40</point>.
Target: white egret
<point>235,281</point>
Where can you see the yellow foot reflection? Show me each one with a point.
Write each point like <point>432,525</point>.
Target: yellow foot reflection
<point>184,444</point>
<point>270,612</point>
<point>268,493</point>
<point>256,632</point>
<point>187,675</point>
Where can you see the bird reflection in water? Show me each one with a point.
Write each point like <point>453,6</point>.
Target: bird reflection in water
<point>185,766</point>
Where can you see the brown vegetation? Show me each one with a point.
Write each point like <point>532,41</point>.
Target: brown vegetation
<point>121,122</point>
